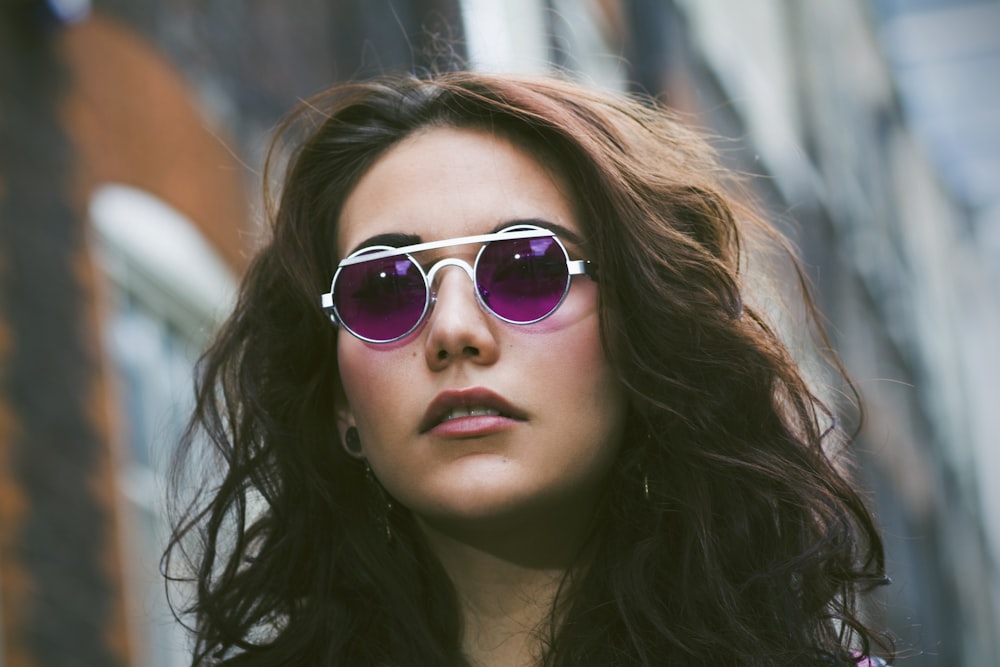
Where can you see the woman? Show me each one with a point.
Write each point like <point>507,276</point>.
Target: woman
<point>492,395</point>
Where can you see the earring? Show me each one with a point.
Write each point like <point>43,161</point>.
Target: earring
<point>352,441</point>
<point>382,499</point>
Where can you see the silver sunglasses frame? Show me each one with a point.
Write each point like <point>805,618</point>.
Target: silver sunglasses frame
<point>574,267</point>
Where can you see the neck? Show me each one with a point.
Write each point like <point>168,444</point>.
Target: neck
<point>507,577</point>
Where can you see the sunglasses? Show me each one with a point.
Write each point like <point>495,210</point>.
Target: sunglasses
<point>521,274</point>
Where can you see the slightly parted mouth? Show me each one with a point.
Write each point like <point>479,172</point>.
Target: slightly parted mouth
<point>472,402</point>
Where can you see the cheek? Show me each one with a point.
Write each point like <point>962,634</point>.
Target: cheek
<point>570,369</point>
<point>368,377</point>
<point>599,394</point>
<point>570,343</point>
<point>583,410</point>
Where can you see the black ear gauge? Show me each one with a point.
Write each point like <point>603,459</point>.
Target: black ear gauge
<point>352,441</point>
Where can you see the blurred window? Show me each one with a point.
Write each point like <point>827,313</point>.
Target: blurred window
<point>166,290</point>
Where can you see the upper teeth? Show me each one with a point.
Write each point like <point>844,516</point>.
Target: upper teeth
<point>470,411</point>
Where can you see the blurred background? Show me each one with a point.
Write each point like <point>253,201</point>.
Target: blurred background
<point>132,134</point>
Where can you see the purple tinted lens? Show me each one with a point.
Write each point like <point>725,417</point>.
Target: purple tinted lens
<point>381,300</point>
<point>522,280</point>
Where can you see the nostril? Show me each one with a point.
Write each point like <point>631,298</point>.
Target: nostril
<point>467,352</point>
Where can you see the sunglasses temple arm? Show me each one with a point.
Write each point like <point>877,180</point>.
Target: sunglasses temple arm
<point>578,267</point>
<point>326,301</point>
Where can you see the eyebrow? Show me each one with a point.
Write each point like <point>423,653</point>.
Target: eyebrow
<point>392,239</point>
<point>400,240</point>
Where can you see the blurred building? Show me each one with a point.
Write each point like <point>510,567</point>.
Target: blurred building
<point>131,137</point>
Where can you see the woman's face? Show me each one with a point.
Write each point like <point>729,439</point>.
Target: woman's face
<point>561,407</point>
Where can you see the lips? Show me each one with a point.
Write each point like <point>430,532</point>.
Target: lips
<point>474,402</point>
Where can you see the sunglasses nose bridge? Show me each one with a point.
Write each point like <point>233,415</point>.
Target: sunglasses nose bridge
<point>449,261</point>
<point>442,264</point>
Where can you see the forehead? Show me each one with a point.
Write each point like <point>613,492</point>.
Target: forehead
<point>444,183</point>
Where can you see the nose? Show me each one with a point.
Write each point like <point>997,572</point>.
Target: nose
<point>458,327</point>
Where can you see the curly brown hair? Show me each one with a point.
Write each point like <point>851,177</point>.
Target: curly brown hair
<point>727,533</point>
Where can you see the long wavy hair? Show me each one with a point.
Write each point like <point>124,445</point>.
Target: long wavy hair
<point>728,534</point>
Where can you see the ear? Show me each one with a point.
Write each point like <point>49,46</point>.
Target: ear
<point>345,421</point>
